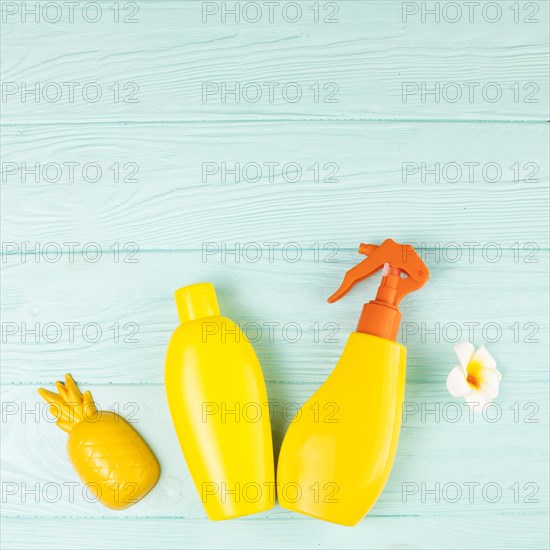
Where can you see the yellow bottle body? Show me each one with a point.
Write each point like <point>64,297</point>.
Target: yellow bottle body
<point>218,402</point>
<point>334,466</point>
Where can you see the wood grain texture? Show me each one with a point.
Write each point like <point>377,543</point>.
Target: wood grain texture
<point>124,314</point>
<point>369,55</point>
<point>511,532</point>
<point>361,194</point>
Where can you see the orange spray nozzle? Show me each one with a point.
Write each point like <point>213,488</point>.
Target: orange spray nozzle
<point>381,316</point>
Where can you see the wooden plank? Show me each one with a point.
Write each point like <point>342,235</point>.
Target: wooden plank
<point>163,66</point>
<point>358,181</point>
<point>123,314</point>
<point>498,450</point>
<point>511,532</point>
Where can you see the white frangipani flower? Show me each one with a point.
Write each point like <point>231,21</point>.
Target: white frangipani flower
<point>476,378</point>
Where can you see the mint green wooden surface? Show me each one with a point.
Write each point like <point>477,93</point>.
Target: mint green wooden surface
<point>168,227</point>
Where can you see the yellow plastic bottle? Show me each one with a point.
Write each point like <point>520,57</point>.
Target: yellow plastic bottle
<point>338,453</point>
<point>218,402</point>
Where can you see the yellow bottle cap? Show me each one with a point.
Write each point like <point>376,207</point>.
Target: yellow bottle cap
<point>196,301</point>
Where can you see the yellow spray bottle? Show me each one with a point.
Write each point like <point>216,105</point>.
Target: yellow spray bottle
<point>218,402</point>
<point>336,468</point>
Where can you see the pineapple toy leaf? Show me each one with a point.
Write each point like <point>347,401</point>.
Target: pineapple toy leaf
<point>69,406</point>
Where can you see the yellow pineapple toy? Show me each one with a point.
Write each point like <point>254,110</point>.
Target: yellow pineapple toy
<point>109,455</point>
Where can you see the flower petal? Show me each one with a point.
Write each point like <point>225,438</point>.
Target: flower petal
<point>477,401</point>
<point>464,351</point>
<point>484,358</point>
<point>490,381</point>
<point>457,384</point>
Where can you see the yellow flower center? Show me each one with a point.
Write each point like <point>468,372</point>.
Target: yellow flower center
<point>474,374</point>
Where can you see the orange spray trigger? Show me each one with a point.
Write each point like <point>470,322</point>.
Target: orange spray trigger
<point>381,316</point>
